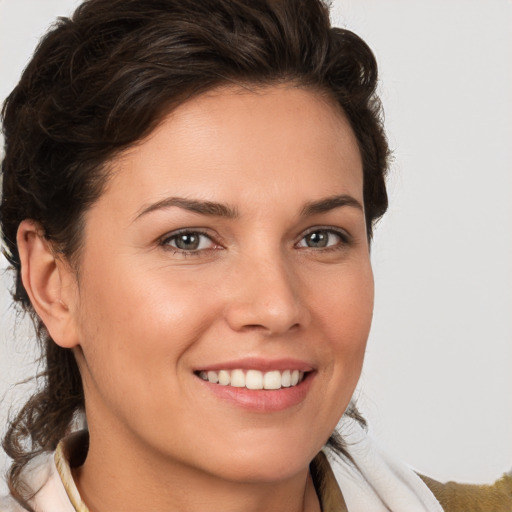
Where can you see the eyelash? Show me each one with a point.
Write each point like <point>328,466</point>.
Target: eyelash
<point>165,242</point>
<point>344,237</point>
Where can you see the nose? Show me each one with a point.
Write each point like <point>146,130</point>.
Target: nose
<point>266,296</point>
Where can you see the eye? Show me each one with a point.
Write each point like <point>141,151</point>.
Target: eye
<point>189,241</point>
<point>323,238</point>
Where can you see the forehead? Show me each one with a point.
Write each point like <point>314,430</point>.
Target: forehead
<point>235,141</point>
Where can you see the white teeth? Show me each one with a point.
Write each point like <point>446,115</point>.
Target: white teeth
<point>224,378</point>
<point>272,380</point>
<point>212,377</point>
<point>254,379</point>
<point>237,379</point>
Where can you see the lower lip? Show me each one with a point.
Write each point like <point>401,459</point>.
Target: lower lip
<point>262,400</point>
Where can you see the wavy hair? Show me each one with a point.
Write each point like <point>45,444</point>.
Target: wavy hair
<point>103,79</point>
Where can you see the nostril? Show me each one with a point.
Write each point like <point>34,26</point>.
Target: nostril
<point>271,319</point>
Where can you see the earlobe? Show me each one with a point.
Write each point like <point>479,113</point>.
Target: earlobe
<point>49,282</point>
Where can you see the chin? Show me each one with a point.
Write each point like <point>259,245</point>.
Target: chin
<point>268,460</point>
<point>263,469</point>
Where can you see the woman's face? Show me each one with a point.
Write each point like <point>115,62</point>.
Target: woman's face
<point>230,244</point>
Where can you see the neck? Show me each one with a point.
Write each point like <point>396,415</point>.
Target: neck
<point>116,478</point>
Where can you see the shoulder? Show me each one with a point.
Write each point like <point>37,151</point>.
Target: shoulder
<point>40,482</point>
<point>34,476</point>
<point>456,497</point>
<point>9,504</point>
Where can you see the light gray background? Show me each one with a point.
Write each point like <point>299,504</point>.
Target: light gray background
<point>437,382</point>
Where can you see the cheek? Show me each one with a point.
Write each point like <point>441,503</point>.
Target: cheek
<point>139,322</point>
<point>136,333</point>
<point>344,313</point>
<point>125,297</point>
<point>345,302</point>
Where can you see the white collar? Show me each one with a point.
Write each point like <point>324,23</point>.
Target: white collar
<point>376,482</point>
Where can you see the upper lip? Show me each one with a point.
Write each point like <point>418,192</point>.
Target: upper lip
<point>261,364</point>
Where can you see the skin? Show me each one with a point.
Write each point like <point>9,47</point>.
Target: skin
<point>142,316</point>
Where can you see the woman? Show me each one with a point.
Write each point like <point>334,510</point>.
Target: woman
<point>189,192</point>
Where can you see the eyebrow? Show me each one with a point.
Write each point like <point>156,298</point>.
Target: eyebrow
<point>209,208</point>
<point>330,203</point>
<point>214,209</point>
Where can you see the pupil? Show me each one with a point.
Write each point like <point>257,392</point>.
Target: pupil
<point>317,239</point>
<point>187,241</point>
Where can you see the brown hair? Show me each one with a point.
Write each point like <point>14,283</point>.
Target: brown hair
<point>101,80</point>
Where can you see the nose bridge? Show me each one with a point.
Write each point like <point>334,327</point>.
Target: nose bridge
<point>266,294</point>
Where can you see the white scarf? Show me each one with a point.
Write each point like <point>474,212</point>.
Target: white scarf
<point>377,482</point>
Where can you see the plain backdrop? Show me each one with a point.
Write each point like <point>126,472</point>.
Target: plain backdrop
<point>437,383</point>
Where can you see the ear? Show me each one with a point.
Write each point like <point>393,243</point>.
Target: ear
<point>50,284</point>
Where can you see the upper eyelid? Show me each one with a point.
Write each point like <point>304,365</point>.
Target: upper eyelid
<point>173,234</point>
<point>202,231</point>
<point>217,239</point>
<point>333,229</point>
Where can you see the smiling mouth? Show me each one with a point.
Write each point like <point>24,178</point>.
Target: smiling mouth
<point>254,379</point>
